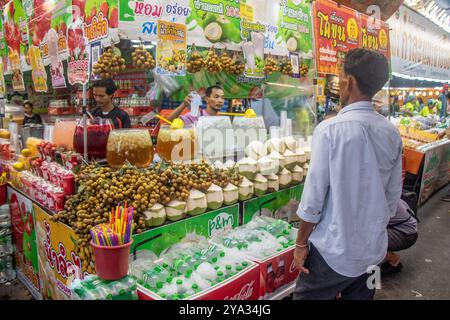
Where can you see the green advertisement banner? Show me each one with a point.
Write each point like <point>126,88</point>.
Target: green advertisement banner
<point>3,48</point>
<point>207,225</point>
<point>280,205</point>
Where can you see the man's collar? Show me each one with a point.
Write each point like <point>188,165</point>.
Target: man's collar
<point>360,105</point>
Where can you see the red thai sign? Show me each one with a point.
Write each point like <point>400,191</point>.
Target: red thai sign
<point>337,30</point>
<point>375,35</point>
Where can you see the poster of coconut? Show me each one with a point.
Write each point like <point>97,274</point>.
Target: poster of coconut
<point>139,19</point>
<point>171,49</point>
<point>215,22</point>
<point>16,35</point>
<point>100,19</point>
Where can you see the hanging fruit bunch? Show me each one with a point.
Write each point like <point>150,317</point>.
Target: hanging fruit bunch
<point>109,64</point>
<point>286,66</point>
<point>176,63</point>
<point>231,65</point>
<point>271,65</point>
<point>142,59</point>
<point>212,61</point>
<point>195,62</point>
<point>304,69</point>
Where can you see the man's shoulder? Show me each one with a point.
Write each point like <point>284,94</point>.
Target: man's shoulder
<point>120,112</point>
<point>97,111</point>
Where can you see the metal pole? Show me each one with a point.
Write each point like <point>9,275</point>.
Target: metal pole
<point>85,123</point>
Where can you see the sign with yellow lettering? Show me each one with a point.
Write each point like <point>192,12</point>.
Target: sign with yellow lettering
<point>171,49</point>
<point>375,35</point>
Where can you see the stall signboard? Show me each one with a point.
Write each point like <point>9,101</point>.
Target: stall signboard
<point>207,225</point>
<point>419,48</point>
<point>24,238</point>
<point>78,63</point>
<point>336,32</point>
<point>38,73</point>
<point>171,49</point>
<point>100,19</point>
<point>436,170</point>
<point>281,205</point>
<point>58,261</point>
<point>375,35</point>
<point>139,19</point>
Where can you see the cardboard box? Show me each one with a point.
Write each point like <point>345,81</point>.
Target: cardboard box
<point>242,286</point>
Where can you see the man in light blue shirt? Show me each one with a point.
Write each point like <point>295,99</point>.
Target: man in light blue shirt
<point>351,190</point>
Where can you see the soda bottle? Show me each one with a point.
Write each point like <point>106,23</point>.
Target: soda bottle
<point>195,288</point>
<point>228,271</point>
<point>270,279</point>
<point>220,277</point>
<point>181,289</point>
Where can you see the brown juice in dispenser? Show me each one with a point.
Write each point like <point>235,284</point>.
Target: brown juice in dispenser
<point>176,144</point>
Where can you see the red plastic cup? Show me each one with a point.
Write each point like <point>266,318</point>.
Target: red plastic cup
<point>111,262</point>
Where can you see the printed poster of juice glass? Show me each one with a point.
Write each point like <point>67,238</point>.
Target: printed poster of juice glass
<point>78,64</point>
<point>254,55</point>
<point>38,73</point>
<point>56,66</point>
<point>171,49</point>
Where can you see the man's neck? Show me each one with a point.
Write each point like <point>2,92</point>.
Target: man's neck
<point>358,98</point>
<point>107,108</point>
<point>211,111</point>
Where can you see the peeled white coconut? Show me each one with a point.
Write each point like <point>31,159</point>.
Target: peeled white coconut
<point>307,152</point>
<point>268,166</point>
<point>291,44</point>
<point>219,165</point>
<point>297,174</point>
<point>285,177</point>
<point>301,156</point>
<point>176,210</point>
<point>306,168</point>
<point>278,158</point>
<point>260,185</point>
<point>214,197</point>
<point>246,189</point>
<point>196,203</point>
<point>213,32</point>
<point>289,159</point>
<point>256,150</point>
<point>155,216</point>
<point>229,164</point>
<point>275,144</point>
<point>230,194</point>
<point>273,183</point>
<point>291,143</point>
<point>248,168</point>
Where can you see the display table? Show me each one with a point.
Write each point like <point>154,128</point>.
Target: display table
<point>45,251</point>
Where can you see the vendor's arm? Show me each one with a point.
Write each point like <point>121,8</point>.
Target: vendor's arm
<point>176,113</point>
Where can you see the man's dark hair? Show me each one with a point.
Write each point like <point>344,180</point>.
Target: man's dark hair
<point>28,103</point>
<point>210,89</point>
<point>447,95</point>
<point>108,84</point>
<point>370,69</point>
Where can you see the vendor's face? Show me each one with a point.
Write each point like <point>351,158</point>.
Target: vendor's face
<point>216,100</point>
<point>28,109</point>
<point>102,99</point>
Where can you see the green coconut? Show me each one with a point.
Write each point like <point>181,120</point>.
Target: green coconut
<point>196,203</point>
<point>214,197</point>
<point>155,216</point>
<point>230,194</point>
<point>230,30</point>
<point>246,189</point>
<point>260,185</point>
<point>176,210</point>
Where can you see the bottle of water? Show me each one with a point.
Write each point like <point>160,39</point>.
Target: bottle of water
<point>195,103</point>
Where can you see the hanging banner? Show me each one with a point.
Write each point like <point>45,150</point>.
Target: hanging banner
<point>101,19</point>
<point>16,33</point>
<point>38,73</point>
<point>419,48</point>
<point>40,21</point>
<point>254,53</point>
<point>139,19</point>
<point>213,21</point>
<point>95,53</point>
<point>78,63</point>
<point>17,75</point>
<point>56,66</point>
<point>3,49</point>
<point>2,80</point>
<point>336,32</point>
<point>295,27</point>
<point>375,35</point>
<point>171,49</point>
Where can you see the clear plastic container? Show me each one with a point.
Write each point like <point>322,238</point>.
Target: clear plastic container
<point>176,144</point>
<point>63,133</point>
<point>215,137</point>
<point>132,145</point>
<point>98,131</point>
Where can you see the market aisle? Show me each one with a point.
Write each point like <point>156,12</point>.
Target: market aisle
<point>425,266</point>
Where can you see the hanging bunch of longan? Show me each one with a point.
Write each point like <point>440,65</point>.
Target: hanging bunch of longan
<point>231,65</point>
<point>142,59</point>
<point>271,65</point>
<point>195,62</point>
<point>109,64</point>
<point>212,61</point>
<point>304,69</point>
<point>286,67</point>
